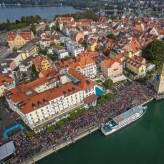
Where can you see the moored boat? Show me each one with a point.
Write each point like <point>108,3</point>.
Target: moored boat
<point>123,120</point>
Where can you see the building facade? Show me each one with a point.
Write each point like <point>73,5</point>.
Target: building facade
<point>74,48</point>
<point>18,39</point>
<point>111,68</point>
<point>37,108</point>
<point>42,63</point>
<point>136,64</point>
<point>159,81</point>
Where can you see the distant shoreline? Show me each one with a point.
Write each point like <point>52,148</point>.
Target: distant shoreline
<point>16,12</point>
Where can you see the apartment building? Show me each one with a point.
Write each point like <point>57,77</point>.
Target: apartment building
<point>85,65</point>
<point>18,39</point>
<point>111,68</point>
<point>42,63</point>
<point>37,108</point>
<point>60,51</point>
<point>136,64</point>
<point>73,48</point>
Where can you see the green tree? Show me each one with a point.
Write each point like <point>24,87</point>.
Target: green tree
<point>62,122</point>
<point>33,28</point>
<point>17,21</point>
<point>35,72</point>
<point>108,83</point>
<point>50,129</point>
<point>31,133</point>
<point>109,96</point>
<point>47,28</point>
<point>111,36</point>
<point>23,19</point>
<point>154,52</point>
<point>73,115</point>
<point>102,101</point>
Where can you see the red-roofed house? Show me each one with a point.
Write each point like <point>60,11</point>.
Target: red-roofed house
<point>6,83</point>
<point>42,63</point>
<point>86,66</point>
<point>133,46</point>
<point>111,68</point>
<point>18,39</point>
<point>136,64</point>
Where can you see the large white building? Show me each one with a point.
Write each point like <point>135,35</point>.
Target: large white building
<point>60,51</point>
<point>85,65</point>
<point>73,48</point>
<point>38,108</point>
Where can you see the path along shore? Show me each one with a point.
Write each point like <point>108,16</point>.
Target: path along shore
<point>55,148</point>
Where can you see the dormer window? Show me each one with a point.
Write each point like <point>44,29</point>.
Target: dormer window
<point>44,101</point>
<point>33,105</point>
<point>69,91</point>
<point>74,89</point>
<point>39,103</point>
<point>65,93</point>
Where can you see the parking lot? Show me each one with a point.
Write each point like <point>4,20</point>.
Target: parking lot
<point>6,119</point>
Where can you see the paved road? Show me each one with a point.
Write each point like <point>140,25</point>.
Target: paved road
<point>6,119</point>
<point>4,53</point>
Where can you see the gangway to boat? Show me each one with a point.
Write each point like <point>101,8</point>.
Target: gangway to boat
<point>159,97</point>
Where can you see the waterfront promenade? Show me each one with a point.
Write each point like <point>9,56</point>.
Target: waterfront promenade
<point>55,148</point>
<point>32,149</point>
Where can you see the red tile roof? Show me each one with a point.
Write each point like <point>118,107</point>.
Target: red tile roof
<point>27,98</point>
<point>25,35</point>
<point>5,79</point>
<point>110,62</point>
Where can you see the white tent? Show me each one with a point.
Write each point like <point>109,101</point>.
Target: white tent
<point>7,150</point>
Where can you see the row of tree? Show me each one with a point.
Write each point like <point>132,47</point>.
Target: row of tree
<point>89,14</point>
<point>73,115</point>
<point>23,22</point>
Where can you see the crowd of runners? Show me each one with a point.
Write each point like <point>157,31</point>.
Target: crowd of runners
<point>129,96</point>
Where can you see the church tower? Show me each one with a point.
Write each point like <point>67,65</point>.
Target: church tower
<point>159,80</point>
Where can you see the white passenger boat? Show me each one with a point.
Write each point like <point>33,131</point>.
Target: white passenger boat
<point>123,120</point>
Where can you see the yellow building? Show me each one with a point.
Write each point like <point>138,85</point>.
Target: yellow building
<point>42,63</point>
<point>136,64</point>
<point>93,47</point>
<point>18,39</point>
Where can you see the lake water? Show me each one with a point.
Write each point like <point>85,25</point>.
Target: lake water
<point>139,143</point>
<point>14,13</point>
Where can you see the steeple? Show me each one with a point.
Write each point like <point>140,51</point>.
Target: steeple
<point>161,69</point>
<point>159,81</point>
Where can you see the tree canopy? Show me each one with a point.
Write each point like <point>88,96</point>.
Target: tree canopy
<point>154,52</point>
<point>108,83</point>
<point>109,96</point>
<point>23,22</point>
<point>47,28</point>
<point>33,29</point>
<point>111,36</point>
